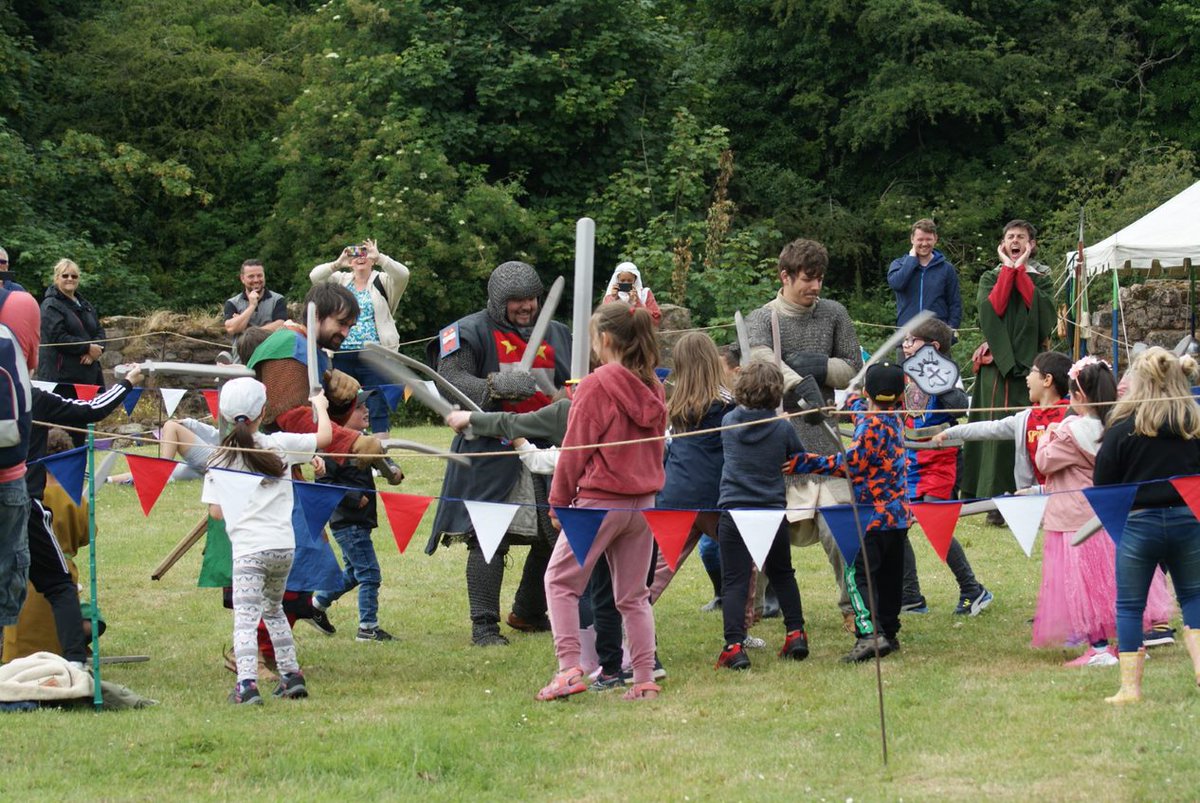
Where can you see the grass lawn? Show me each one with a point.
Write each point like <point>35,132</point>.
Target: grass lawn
<point>972,712</point>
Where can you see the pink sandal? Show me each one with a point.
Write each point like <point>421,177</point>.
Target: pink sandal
<point>642,691</point>
<point>564,683</point>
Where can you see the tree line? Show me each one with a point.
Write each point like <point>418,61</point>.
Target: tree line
<point>161,142</point>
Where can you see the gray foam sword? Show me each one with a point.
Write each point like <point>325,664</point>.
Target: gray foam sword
<point>538,335</point>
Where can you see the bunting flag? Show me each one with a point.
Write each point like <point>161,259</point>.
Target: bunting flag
<point>232,488</point>
<point>68,468</point>
<point>671,529</point>
<point>212,397</point>
<point>1189,489</point>
<point>86,392</point>
<point>407,392</point>
<point>131,399</point>
<point>1023,515</point>
<point>42,384</point>
<point>171,398</point>
<point>314,567</point>
<point>491,520</point>
<point>840,519</point>
<point>1112,503</point>
<point>317,501</point>
<point>938,520</point>
<point>580,525</point>
<point>758,529</point>
<point>216,566</point>
<point>150,475</point>
<point>393,395</point>
<point>404,514</point>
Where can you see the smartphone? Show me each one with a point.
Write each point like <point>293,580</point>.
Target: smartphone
<point>625,287</point>
<point>356,250</point>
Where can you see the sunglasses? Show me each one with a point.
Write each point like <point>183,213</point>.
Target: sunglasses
<point>69,276</point>
<point>3,261</point>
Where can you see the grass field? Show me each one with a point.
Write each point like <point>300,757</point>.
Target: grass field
<point>972,712</point>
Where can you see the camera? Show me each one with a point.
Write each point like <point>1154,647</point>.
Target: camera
<point>625,287</point>
<point>356,250</point>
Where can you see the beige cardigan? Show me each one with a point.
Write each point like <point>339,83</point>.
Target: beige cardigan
<point>394,279</point>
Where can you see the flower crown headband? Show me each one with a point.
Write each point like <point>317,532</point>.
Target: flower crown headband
<point>1073,373</point>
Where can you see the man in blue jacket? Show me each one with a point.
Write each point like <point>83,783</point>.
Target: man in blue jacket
<point>924,280</point>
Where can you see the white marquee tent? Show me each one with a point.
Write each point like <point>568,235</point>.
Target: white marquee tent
<point>1169,234</point>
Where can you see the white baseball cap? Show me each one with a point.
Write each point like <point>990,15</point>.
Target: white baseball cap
<point>244,396</point>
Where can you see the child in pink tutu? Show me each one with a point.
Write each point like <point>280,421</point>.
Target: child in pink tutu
<point>1077,600</point>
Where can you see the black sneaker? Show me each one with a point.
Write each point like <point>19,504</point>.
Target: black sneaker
<point>1159,636</point>
<point>971,606</point>
<point>320,620</point>
<point>245,693</point>
<point>660,671</point>
<point>373,634</point>
<point>605,682</point>
<point>894,644</point>
<point>795,646</point>
<point>489,640</point>
<point>291,687</point>
<point>918,605</point>
<point>864,649</point>
<point>733,657</point>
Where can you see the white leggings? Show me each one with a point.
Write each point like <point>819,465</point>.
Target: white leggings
<point>258,585</point>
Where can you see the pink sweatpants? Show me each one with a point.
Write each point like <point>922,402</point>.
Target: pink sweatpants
<point>625,540</point>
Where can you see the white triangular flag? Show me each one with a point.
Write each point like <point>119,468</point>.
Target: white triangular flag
<point>230,490</point>
<point>758,529</point>
<point>491,520</point>
<point>105,468</point>
<point>42,384</point>
<point>1023,515</point>
<point>171,398</point>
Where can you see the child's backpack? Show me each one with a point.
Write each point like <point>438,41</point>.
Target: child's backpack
<point>16,399</point>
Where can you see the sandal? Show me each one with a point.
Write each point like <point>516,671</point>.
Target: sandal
<point>564,683</point>
<point>642,691</point>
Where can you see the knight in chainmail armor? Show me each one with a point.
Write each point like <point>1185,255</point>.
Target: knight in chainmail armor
<point>480,355</point>
<point>820,353</point>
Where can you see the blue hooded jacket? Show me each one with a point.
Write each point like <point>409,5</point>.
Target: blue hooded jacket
<point>933,288</point>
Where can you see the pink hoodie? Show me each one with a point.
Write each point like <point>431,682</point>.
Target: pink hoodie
<point>1066,455</point>
<point>611,404</point>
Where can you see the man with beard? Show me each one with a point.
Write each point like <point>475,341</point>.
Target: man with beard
<point>480,355</point>
<point>820,353</point>
<point>255,305</point>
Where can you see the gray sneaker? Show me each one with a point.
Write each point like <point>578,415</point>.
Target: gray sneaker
<point>373,634</point>
<point>864,649</point>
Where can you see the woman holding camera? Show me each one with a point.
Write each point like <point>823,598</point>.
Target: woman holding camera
<point>625,287</point>
<point>378,293</point>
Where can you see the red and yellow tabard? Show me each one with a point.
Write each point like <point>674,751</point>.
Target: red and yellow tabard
<point>510,347</point>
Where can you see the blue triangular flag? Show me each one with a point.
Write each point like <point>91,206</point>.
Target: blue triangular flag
<point>392,394</point>
<point>1112,503</point>
<point>68,468</point>
<point>313,565</point>
<point>317,501</point>
<point>131,399</point>
<point>840,519</point>
<point>580,525</point>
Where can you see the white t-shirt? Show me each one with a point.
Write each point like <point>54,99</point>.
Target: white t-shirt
<point>266,519</point>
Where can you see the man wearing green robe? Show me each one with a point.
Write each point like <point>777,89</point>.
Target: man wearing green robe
<point>1016,313</point>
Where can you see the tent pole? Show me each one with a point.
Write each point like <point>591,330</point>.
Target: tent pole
<point>1116,315</point>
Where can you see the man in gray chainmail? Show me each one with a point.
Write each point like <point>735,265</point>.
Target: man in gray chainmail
<point>479,354</point>
<point>820,354</point>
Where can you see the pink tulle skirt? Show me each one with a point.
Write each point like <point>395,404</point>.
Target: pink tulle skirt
<point>1077,602</point>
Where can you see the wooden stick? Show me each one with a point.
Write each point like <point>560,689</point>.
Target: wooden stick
<point>187,542</point>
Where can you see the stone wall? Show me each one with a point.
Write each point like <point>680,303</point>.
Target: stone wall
<point>1155,313</point>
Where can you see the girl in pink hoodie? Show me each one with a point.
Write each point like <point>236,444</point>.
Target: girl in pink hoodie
<point>620,401</point>
<point>1078,596</point>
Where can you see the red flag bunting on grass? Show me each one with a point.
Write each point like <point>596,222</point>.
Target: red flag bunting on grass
<point>210,396</point>
<point>86,392</point>
<point>671,529</point>
<point>938,520</point>
<point>150,475</point>
<point>404,513</point>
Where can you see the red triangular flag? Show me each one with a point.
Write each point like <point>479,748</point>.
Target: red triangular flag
<point>150,475</point>
<point>86,392</point>
<point>671,529</point>
<point>938,520</point>
<point>404,513</point>
<point>210,396</point>
<point>1189,489</point>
